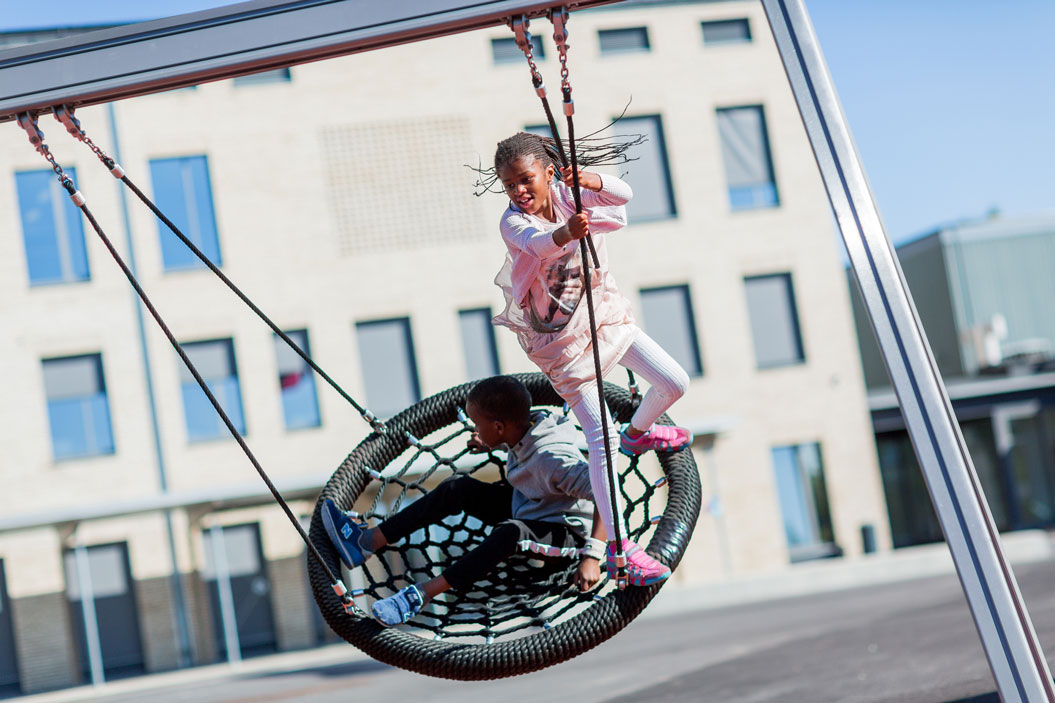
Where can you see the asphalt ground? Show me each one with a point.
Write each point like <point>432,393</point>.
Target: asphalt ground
<point>906,642</point>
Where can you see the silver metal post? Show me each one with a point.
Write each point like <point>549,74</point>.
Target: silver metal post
<point>223,588</point>
<point>1007,635</point>
<point>91,622</point>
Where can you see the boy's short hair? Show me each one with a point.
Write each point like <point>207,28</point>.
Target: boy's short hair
<point>502,398</point>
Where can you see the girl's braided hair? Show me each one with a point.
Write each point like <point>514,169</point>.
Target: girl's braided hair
<point>591,150</point>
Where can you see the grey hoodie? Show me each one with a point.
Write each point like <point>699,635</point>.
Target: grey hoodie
<point>550,477</point>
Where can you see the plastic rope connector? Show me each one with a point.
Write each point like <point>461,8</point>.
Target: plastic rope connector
<point>569,107</point>
<point>662,481</point>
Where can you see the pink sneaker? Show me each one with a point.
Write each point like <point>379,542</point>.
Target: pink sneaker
<point>662,438</point>
<point>641,569</point>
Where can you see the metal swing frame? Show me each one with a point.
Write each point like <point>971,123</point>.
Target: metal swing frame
<point>269,34</point>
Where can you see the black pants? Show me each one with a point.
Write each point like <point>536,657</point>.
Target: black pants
<point>491,504</point>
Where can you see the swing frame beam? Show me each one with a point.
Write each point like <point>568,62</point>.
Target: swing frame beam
<point>262,35</point>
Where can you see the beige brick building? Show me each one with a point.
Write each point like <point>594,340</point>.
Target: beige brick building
<point>341,203</point>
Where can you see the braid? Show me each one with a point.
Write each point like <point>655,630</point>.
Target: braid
<point>525,144</point>
<point>590,150</point>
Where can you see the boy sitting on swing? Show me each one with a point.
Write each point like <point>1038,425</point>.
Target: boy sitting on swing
<point>544,507</point>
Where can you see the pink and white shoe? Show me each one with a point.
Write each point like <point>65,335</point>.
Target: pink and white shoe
<point>641,569</point>
<point>661,438</point>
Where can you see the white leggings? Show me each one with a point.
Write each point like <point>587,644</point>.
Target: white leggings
<point>669,382</point>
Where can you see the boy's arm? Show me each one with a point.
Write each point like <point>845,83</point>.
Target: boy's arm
<point>589,571</point>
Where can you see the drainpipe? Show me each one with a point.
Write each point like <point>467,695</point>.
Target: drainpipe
<point>91,622</point>
<point>182,629</point>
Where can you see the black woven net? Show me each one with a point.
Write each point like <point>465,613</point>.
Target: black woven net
<point>526,597</point>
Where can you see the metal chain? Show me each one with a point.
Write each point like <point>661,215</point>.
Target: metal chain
<point>64,114</point>
<point>520,25</point>
<point>559,18</point>
<point>28,122</point>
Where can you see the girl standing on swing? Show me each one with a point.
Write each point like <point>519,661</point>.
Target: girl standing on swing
<point>544,290</point>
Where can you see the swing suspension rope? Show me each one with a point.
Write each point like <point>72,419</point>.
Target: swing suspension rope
<point>65,115</point>
<point>559,18</point>
<point>28,122</point>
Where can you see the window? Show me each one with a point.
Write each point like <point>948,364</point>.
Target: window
<point>669,320</point>
<point>183,193</point>
<point>804,501</point>
<point>628,40</point>
<point>279,75</point>
<point>51,229</point>
<point>386,353</point>
<point>478,343</point>
<point>745,152</point>
<point>77,409</point>
<point>774,321</point>
<point>649,175</point>
<point>505,50</point>
<point>215,362</point>
<point>296,381</point>
<point>726,32</point>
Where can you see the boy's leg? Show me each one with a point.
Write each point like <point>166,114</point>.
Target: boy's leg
<point>668,383</point>
<point>551,539</point>
<point>507,537</point>
<point>488,502</point>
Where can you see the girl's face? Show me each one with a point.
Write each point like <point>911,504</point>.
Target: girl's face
<point>526,182</point>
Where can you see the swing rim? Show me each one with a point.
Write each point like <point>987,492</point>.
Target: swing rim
<point>601,620</point>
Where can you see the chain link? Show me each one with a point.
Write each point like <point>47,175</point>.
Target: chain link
<point>519,26</point>
<point>64,114</point>
<point>559,18</point>
<point>28,122</point>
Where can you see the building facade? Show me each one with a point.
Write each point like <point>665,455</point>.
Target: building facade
<point>337,196</point>
<point>981,289</point>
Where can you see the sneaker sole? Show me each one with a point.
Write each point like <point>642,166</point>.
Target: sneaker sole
<point>335,538</point>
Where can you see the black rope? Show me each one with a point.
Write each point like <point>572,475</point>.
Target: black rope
<point>29,123</point>
<point>197,377</point>
<point>65,114</point>
<point>536,80</point>
<point>593,339</point>
<point>366,414</point>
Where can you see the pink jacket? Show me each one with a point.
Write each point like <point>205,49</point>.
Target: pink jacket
<point>545,300</point>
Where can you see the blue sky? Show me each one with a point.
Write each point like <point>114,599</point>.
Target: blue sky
<point>950,101</point>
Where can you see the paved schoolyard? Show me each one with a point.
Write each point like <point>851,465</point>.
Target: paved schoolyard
<point>906,642</point>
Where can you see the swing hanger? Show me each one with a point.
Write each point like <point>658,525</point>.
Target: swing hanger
<point>28,122</point>
<point>520,25</point>
<point>559,17</point>
<point>64,114</point>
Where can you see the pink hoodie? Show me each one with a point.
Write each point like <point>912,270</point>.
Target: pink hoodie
<point>542,283</point>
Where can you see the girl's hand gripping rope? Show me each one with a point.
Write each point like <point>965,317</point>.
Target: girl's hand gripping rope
<point>587,179</point>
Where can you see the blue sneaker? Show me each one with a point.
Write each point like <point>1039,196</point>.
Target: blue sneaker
<point>345,533</point>
<point>397,609</point>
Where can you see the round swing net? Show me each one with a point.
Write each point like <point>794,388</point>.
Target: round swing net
<point>527,614</point>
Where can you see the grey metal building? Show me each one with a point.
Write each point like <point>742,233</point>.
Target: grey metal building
<point>984,292</point>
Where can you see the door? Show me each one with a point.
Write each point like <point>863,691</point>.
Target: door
<point>238,553</point>
<point>1022,442</point>
<point>116,616</point>
<point>8,662</point>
